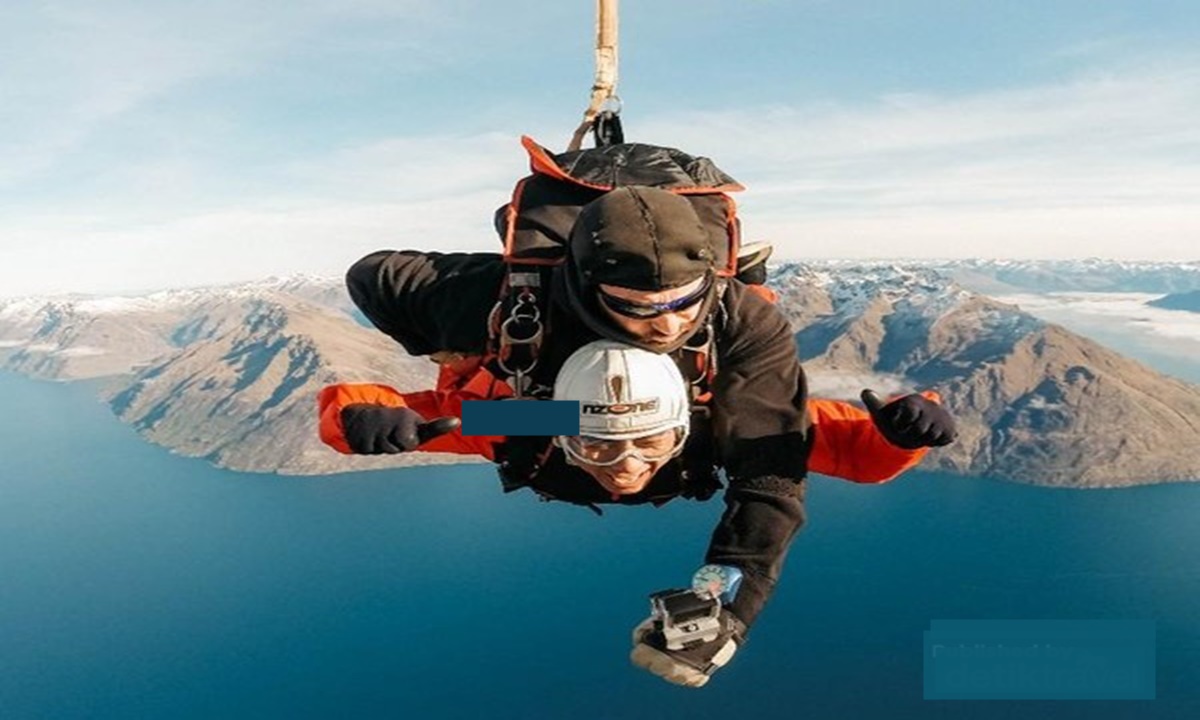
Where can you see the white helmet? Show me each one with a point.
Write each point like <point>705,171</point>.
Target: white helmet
<point>623,392</point>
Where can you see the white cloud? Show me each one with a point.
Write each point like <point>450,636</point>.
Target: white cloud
<point>1100,165</point>
<point>435,192</point>
<point>1125,312</point>
<point>82,351</point>
<point>414,168</point>
<point>244,244</point>
<point>73,65</point>
<point>1104,166</point>
<point>849,386</point>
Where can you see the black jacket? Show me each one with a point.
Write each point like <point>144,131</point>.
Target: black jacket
<point>440,301</point>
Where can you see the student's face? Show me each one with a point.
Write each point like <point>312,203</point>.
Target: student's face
<point>643,457</point>
<point>628,477</point>
<point>661,329</point>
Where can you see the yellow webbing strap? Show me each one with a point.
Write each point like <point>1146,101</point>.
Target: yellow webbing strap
<point>605,86</point>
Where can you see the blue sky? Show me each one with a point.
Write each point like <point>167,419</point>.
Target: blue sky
<point>148,145</point>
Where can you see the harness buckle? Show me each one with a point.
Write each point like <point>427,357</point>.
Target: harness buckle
<point>520,334</point>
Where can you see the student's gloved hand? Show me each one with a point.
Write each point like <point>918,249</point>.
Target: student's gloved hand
<point>378,429</point>
<point>691,667</point>
<point>911,422</point>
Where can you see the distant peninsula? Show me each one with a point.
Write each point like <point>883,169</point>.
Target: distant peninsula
<point>1189,301</point>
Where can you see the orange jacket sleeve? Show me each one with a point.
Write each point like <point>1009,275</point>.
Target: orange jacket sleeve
<point>429,404</point>
<point>847,445</point>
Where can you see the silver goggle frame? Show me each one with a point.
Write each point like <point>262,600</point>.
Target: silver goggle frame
<point>575,458</point>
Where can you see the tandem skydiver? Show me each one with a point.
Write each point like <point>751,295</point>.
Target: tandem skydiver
<point>641,267</point>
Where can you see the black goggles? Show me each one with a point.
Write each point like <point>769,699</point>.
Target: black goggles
<point>646,311</point>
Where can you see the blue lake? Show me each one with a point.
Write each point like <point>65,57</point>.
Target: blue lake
<point>138,584</point>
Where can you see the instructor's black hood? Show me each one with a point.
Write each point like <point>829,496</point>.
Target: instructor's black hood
<point>641,238</point>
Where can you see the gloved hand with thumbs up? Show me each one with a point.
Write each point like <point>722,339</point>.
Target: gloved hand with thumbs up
<point>911,421</point>
<point>379,429</point>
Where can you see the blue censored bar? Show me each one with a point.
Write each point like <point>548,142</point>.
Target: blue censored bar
<point>1040,660</point>
<point>520,417</point>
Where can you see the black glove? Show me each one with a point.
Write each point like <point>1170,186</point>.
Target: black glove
<point>378,429</point>
<point>691,667</point>
<point>911,422</point>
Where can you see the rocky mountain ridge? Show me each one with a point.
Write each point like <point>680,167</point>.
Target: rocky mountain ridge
<point>227,373</point>
<point>1035,402</point>
<point>231,373</point>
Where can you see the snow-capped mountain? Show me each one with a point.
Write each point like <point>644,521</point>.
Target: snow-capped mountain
<point>245,397</point>
<point>1035,402</point>
<point>231,373</point>
<point>75,338</point>
<point>1090,275</point>
<point>80,337</point>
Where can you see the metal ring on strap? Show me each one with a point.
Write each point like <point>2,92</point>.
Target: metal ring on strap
<point>525,313</point>
<point>508,337</point>
<point>522,328</point>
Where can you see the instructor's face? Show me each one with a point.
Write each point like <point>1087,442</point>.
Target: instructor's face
<point>659,329</point>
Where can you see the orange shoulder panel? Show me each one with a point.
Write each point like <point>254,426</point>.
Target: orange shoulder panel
<point>764,292</point>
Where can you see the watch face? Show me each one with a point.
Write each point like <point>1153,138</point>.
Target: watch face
<point>711,580</point>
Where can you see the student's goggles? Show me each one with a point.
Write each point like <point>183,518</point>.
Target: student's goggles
<point>660,446</point>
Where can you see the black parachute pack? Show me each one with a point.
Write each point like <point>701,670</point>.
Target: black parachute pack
<point>535,227</point>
